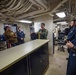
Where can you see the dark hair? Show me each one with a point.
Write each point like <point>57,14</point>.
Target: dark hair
<point>5,28</point>
<point>73,21</point>
<point>43,24</point>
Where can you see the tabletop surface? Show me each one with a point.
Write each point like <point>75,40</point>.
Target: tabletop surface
<point>10,56</point>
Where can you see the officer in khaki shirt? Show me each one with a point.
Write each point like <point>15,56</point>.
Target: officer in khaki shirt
<point>10,36</point>
<point>43,32</point>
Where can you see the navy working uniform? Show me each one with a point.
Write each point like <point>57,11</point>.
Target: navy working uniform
<point>20,34</point>
<point>71,68</point>
<point>43,33</point>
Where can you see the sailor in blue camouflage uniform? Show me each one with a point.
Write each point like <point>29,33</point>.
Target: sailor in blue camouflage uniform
<point>71,44</point>
<point>20,36</point>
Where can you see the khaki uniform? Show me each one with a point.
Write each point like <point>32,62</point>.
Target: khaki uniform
<point>10,36</point>
<point>42,34</point>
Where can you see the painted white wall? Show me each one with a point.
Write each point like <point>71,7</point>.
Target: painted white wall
<point>1,28</point>
<point>25,28</point>
<point>37,26</point>
<point>48,20</point>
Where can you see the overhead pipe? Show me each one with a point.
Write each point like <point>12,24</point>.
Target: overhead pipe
<point>20,5</point>
<point>26,8</point>
<point>50,12</point>
<point>35,12</point>
<point>29,5</point>
<point>10,2</point>
<point>40,15</point>
<point>12,5</point>
<point>16,7</point>
<point>60,19</point>
<point>39,12</point>
<point>60,4</point>
<point>37,4</point>
<point>69,6</point>
<point>9,7</point>
<point>41,3</point>
<point>32,13</point>
<point>4,16</point>
<point>23,10</point>
<point>19,11</point>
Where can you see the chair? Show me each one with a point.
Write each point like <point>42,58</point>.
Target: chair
<point>61,41</point>
<point>33,36</point>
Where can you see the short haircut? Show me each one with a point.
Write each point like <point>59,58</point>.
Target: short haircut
<point>5,28</point>
<point>18,27</point>
<point>43,24</point>
<point>74,20</point>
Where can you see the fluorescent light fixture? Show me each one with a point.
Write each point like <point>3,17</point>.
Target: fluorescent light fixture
<point>62,23</point>
<point>58,27</point>
<point>25,21</point>
<point>61,14</point>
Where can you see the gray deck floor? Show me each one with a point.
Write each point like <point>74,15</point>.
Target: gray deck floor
<point>58,63</point>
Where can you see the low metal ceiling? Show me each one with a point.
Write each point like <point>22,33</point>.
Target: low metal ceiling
<point>11,10</point>
<point>69,7</point>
